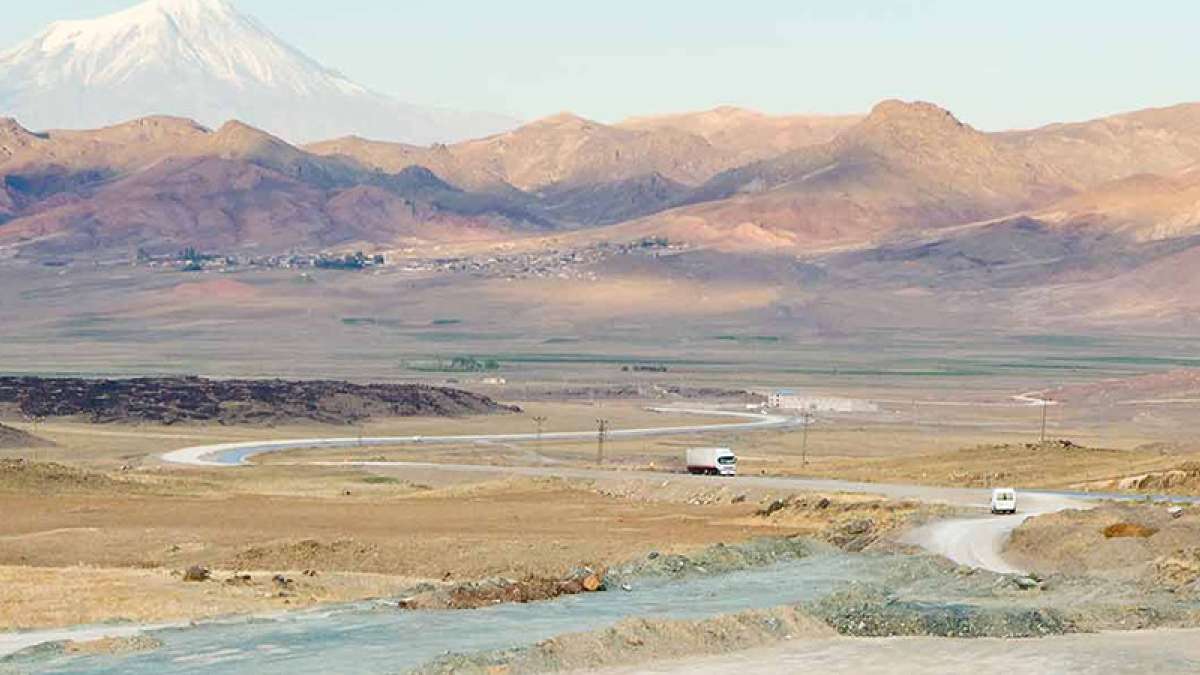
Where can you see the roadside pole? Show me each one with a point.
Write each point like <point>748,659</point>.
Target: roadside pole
<point>804,437</point>
<point>540,422</point>
<point>1045,406</point>
<point>600,437</point>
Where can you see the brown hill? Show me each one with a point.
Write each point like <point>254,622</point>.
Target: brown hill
<point>905,166</point>
<point>1156,140</point>
<point>562,150</point>
<point>749,135</point>
<point>913,166</point>
<point>1144,207</point>
<point>905,169</point>
<point>1163,290</point>
<point>228,205</point>
<point>163,183</point>
<point>42,164</point>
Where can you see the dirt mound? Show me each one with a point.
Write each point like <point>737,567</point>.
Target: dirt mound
<point>342,554</point>
<point>638,640</point>
<point>717,559</point>
<point>15,438</point>
<point>477,594</point>
<point>851,523</point>
<point>113,646</point>
<point>1114,540</point>
<point>873,613</point>
<point>193,399</point>
<point>51,478</point>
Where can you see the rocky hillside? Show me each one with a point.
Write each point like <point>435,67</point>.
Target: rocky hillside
<point>905,166</point>
<point>730,180</point>
<point>175,400</point>
<point>163,184</point>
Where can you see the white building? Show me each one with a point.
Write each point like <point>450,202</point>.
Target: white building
<point>786,399</point>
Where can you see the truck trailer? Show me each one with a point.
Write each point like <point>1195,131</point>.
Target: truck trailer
<point>712,461</point>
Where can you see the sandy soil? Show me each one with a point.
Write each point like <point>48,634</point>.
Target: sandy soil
<point>130,522</point>
<point>1135,653</point>
<point>40,597</point>
<point>119,541</point>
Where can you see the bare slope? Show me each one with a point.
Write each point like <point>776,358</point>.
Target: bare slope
<point>905,166</point>
<point>1155,140</point>
<point>164,184</point>
<point>747,134</point>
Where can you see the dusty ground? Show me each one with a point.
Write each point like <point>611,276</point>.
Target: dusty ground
<point>1046,465</point>
<point>38,597</point>
<point>117,524</point>
<point>118,541</point>
<point>1116,653</point>
<point>638,640</point>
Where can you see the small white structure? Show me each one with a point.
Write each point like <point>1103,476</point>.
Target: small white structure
<point>786,399</point>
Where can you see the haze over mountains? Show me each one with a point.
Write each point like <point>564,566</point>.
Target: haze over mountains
<point>903,205</point>
<point>204,60</point>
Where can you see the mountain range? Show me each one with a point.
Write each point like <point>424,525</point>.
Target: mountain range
<point>901,207</point>
<point>900,171</point>
<point>205,60</point>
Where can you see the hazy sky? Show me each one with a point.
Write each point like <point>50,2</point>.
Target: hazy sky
<point>996,64</point>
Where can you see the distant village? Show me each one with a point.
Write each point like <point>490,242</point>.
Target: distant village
<point>540,264</point>
<point>192,260</point>
<point>543,264</point>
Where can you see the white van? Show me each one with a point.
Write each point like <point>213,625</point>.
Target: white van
<point>1004,500</point>
<point>712,461</point>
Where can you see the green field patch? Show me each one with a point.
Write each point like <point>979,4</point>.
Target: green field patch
<point>460,336</point>
<point>381,480</point>
<point>458,364</point>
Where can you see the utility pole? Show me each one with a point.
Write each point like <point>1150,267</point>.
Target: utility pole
<point>1045,405</point>
<point>804,437</point>
<point>540,421</point>
<point>600,437</point>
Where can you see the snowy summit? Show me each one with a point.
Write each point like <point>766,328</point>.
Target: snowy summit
<point>205,60</point>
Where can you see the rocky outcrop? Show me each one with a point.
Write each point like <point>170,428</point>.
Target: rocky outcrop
<point>193,399</point>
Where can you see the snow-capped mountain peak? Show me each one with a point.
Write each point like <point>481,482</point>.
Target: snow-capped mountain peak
<point>202,59</point>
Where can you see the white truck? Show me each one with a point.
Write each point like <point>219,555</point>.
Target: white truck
<point>1004,500</point>
<point>712,461</point>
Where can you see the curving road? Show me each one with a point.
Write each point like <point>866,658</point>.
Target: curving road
<point>236,454</point>
<point>977,542</point>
